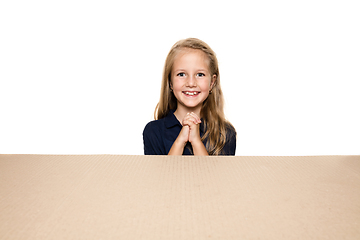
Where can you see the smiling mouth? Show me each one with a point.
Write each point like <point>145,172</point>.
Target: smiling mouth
<point>191,93</point>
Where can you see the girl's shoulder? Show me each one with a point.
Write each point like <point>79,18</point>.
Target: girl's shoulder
<point>154,125</point>
<point>230,130</point>
<point>161,124</point>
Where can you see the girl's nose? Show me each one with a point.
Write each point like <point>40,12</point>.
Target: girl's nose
<point>191,82</point>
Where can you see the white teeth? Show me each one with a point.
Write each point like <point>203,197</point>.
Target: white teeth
<point>191,93</point>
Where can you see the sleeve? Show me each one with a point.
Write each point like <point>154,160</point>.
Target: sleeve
<point>230,145</point>
<point>152,140</point>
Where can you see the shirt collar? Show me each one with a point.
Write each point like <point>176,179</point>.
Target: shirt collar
<point>171,120</point>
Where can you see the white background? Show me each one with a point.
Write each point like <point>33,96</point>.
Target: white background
<point>83,77</point>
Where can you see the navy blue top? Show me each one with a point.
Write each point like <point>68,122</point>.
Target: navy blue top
<point>159,136</point>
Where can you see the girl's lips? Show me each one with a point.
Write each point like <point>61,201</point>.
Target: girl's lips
<point>191,93</point>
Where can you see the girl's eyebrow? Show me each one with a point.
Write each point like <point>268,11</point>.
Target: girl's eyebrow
<point>201,70</point>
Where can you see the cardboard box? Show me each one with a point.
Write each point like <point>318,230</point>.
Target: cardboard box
<point>163,197</point>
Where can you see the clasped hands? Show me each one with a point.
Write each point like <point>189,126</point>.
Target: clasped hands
<point>190,130</point>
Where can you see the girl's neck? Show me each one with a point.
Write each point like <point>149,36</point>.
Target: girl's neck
<point>181,112</point>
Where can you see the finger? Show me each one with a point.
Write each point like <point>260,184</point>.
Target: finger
<point>193,119</point>
<point>188,122</point>
<point>195,116</point>
<point>198,120</point>
<point>190,117</point>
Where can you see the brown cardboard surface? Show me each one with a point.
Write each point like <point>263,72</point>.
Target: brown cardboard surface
<point>161,197</point>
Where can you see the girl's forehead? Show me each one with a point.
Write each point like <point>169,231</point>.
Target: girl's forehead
<point>187,52</point>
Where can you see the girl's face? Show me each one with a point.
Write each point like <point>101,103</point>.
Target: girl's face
<point>191,79</point>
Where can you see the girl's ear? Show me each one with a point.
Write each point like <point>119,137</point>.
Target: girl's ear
<point>170,86</point>
<point>213,81</point>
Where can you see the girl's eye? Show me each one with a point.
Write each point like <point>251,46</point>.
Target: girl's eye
<point>201,74</point>
<point>181,74</point>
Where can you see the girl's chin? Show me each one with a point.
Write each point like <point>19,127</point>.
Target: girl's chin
<point>189,105</point>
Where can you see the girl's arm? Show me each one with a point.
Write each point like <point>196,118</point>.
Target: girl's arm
<point>199,148</point>
<point>152,139</point>
<point>230,145</point>
<point>178,146</point>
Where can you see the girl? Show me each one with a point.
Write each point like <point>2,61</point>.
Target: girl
<point>189,118</point>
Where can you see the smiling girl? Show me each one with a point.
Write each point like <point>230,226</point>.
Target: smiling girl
<point>189,117</point>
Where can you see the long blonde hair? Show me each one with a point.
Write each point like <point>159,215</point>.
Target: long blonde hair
<point>212,111</point>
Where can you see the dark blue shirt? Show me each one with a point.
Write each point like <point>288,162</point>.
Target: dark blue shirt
<point>159,136</point>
